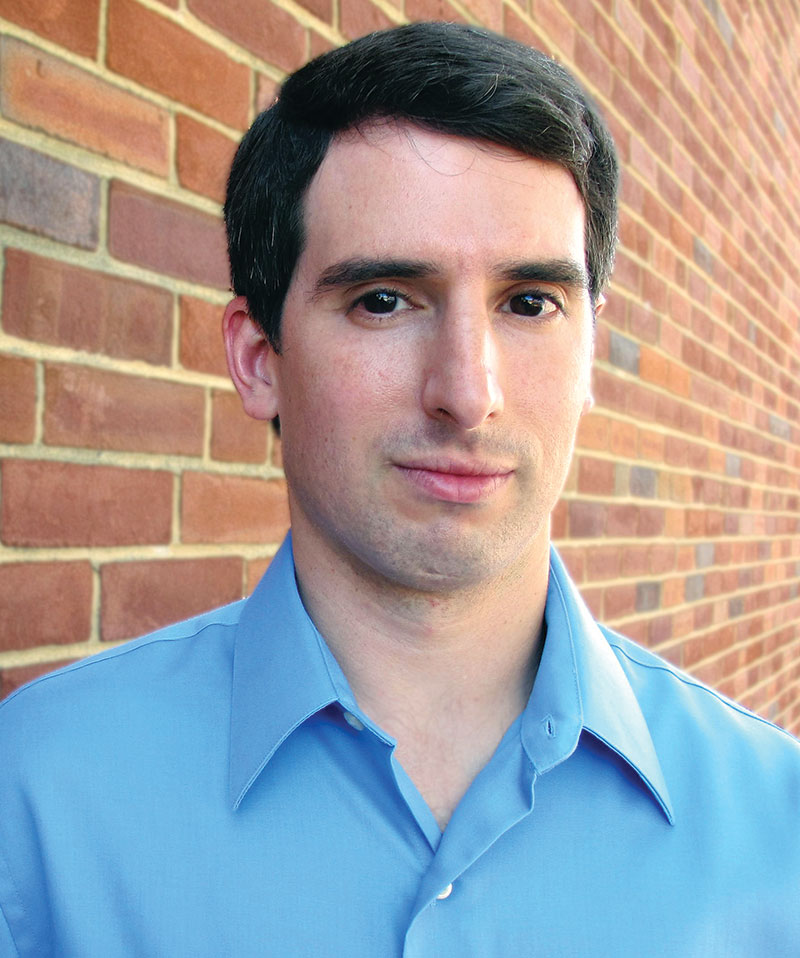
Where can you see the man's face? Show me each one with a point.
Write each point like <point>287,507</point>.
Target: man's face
<point>435,357</point>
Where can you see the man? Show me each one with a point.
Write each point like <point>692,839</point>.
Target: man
<point>412,739</point>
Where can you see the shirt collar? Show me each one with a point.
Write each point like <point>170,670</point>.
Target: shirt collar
<point>580,686</point>
<point>281,675</point>
<point>285,673</point>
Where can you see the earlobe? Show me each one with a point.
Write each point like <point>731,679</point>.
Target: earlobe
<point>251,361</point>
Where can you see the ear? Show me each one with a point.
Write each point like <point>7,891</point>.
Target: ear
<point>251,361</point>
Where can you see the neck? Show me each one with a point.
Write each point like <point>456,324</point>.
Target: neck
<point>444,673</point>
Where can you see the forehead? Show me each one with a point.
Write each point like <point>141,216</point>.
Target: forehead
<point>394,188</point>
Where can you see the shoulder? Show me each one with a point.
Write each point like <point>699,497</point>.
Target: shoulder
<point>701,732</point>
<point>121,678</point>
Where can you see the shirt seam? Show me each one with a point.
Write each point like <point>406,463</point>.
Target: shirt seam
<point>108,654</point>
<point>700,686</point>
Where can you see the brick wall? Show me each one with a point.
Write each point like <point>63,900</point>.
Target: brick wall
<point>134,490</point>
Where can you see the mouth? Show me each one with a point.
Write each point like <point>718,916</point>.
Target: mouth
<point>452,481</point>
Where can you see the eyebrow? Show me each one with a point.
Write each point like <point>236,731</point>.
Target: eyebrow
<point>566,272</point>
<point>350,272</point>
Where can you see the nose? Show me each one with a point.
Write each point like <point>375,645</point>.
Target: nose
<point>462,383</point>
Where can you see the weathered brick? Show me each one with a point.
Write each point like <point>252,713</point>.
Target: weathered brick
<point>235,437</point>
<point>74,26</point>
<point>586,519</point>
<point>171,60</point>
<point>52,302</point>
<point>166,236</point>
<point>201,346</point>
<point>15,677</point>
<point>17,399</point>
<point>643,482</point>
<point>204,157</point>
<point>261,27</point>
<point>45,603</point>
<point>358,17</point>
<point>233,509</point>
<point>64,504</point>
<point>138,597</point>
<point>44,92</point>
<point>107,410</point>
<point>48,197</point>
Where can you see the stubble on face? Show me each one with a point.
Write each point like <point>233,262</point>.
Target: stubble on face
<point>351,396</point>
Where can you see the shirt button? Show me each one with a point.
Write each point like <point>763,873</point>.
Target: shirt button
<point>445,892</point>
<point>353,721</point>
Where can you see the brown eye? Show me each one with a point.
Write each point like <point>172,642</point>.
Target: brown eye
<point>380,301</point>
<point>531,304</point>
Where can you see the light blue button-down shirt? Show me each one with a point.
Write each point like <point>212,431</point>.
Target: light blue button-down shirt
<point>215,790</point>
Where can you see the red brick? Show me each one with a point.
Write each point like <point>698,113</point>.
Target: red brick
<point>13,678</point>
<point>45,603</point>
<point>619,600</point>
<point>74,25</point>
<point>259,26</point>
<point>52,302</point>
<point>553,23</point>
<point>233,509</point>
<point>201,345</point>
<point>489,13</point>
<point>235,437</point>
<point>106,410</point>
<point>48,197</point>
<point>322,9</point>
<point>64,504</point>
<point>166,236</point>
<point>603,562</point>
<point>17,399</point>
<point>595,476</point>
<point>592,64</point>
<point>138,597</point>
<point>203,157</point>
<point>169,59</point>
<point>623,439</point>
<point>594,432</point>
<point>418,10</point>
<point>48,94</point>
<point>357,17</point>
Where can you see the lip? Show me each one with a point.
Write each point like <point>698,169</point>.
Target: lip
<point>455,481</point>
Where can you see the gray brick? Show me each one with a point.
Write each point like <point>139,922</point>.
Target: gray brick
<point>47,197</point>
<point>703,255</point>
<point>733,464</point>
<point>695,588</point>
<point>623,352</point>
<point>643,482</point>
<point>735,607</point>
<point>780,427</point>
<point>704,554</point>
<point>648,596</point>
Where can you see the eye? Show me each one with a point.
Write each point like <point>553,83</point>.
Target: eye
<point>381,302</point>
<point>534,304</point>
